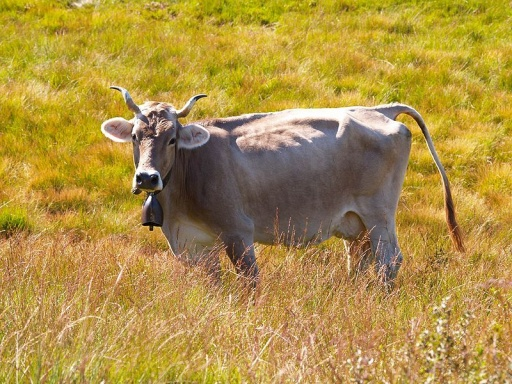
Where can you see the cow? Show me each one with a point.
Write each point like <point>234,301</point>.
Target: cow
<point>299,176</point>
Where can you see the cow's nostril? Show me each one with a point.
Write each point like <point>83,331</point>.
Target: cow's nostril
<point>138,180</point>
<point>154,179</point>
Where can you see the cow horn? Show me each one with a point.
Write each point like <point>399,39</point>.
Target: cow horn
<point>128,100</point>
<point>186,109</point>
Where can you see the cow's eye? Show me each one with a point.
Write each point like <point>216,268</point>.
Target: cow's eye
<point>172,141</point>
<point>134,137</point>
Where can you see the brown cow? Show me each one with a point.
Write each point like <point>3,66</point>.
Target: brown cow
<point>301,175</point>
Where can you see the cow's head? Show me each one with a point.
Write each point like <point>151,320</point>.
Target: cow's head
<point>155,133</point>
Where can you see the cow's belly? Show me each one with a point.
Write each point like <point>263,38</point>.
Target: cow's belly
<point>315,228</point>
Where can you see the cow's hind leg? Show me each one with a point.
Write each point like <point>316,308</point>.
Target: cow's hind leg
<point>387,253</point>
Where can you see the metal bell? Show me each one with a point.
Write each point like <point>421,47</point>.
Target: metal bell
<point>152,214</point>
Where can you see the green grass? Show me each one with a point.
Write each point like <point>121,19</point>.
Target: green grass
<point>89,295</point>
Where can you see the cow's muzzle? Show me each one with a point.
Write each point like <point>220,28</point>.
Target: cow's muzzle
<point>149,181</point>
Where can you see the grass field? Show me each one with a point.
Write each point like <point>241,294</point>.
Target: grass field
<point>89,296</point>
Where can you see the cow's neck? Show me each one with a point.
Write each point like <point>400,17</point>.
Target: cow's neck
<point>173,195</point>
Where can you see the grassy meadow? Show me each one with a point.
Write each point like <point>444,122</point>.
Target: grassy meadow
<point>87,295</point>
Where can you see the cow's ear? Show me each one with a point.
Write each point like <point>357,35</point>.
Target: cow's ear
<point>118,129</point>
<point>192,136</point>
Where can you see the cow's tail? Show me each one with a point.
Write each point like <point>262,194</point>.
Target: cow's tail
<point>392,111</point>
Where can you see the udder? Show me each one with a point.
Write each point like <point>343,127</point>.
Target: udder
<point>349,226</point>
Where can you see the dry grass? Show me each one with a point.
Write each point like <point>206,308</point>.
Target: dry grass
<point>119,308</point>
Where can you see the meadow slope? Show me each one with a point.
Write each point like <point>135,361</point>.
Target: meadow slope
<point>88,295</point>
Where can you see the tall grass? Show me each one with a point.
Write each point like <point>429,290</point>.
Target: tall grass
<point>116,309</point>
<point>89,296</point>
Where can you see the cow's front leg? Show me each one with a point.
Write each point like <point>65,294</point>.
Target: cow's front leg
<point>240,250</point>
<point>204,257</point>
<point>182,241</point>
